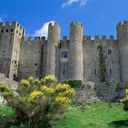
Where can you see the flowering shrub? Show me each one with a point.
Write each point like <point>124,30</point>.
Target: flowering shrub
<point>38,100</point>
<point>50,79</point>
<point>47,90</point>
<point>62,100</point>
<point>25,83</point>
<point>125,101</point>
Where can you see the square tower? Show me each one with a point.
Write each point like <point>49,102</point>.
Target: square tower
<point>10,39</point>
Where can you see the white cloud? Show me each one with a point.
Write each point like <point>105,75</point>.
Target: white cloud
<point>2,18</point>
<point>71,2</point>
<point>83,2</point>
<point>43,31</point>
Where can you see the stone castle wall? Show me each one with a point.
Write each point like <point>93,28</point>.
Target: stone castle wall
<point>79,57</point>
<point>31,58</point>
<point>103,91</point>
<point>93,49</point>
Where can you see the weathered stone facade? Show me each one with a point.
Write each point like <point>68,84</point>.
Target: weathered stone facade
<point>79,57</point>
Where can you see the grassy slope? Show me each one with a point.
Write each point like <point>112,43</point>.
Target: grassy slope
<point>99,115</point>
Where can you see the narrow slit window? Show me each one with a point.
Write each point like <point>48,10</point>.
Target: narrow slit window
<point>95,72</point>
<point>109,51</point>
<point>110,71</point>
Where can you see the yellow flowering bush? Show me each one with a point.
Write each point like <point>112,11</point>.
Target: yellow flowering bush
<point>3,88</point>
<point>62,87</point>
<point>36,82</point>
<point>68,93</point>
<point>62,100</point>
<point>35,95</point>
<point>25,83</point>
<point>47,90</point>
<point>30,79</point>
<point>50,78</point>
<point>125,101</point>
<point>127,92</point>
<point>39,99</point>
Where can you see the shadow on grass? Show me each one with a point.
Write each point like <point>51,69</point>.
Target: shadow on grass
<point>119,124</point>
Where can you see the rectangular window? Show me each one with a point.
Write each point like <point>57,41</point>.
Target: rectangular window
<point>64,55</point>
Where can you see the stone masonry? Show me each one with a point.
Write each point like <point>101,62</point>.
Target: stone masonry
<point>79,57</point>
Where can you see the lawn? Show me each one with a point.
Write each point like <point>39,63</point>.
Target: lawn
<point>96,115</point>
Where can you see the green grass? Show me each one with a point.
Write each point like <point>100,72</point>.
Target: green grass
<point>98,115</point>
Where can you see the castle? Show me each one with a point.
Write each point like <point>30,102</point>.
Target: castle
<point>79,57</point>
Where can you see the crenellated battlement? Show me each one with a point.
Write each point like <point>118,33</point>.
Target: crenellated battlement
<point>111,37</point>
<point>104,37</point>
<point>31,39</point>
<point>97,38</point>
<point>54,25</point>
<point>11,28</point>
<point>76,24</point>
<point>10,25</point>
<point>122,25</point>
<point>86,38</point>
<point>65,38</point>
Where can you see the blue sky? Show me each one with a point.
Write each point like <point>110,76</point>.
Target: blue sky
<point>97,16</point>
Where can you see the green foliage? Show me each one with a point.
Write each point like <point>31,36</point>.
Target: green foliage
<point>37,101</point>
<point>6,114</point>
<point>73,83</point>
<point>6,111</point>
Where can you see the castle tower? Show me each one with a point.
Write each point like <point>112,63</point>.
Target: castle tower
<point>10,39</point>
<point>122,37</point>
<point>76,51</point>
<point>53,41</point>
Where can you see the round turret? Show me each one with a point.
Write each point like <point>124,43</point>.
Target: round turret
<point>76,51</point>
<point>53,40</point>
<point>122,37</point>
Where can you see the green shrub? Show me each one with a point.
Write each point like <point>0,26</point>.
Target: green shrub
<point>73,83</point>
<point>38,101</point>
<point>6,114</point>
